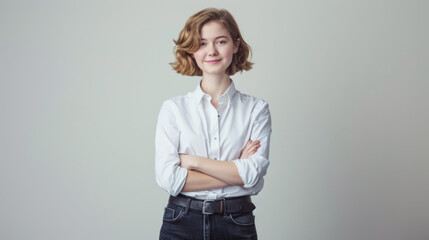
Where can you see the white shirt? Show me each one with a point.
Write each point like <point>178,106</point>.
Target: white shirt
<point>190,124</point>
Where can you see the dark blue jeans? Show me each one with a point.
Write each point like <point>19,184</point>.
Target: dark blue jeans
<point>189,224</point>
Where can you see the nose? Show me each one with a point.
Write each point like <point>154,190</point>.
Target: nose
<point>212,51</point>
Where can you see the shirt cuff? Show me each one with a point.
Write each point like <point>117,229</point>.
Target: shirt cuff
<point>251,170</point>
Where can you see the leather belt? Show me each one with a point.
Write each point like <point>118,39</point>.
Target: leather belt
<point>218,206</point>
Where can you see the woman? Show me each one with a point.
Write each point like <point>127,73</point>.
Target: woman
<point>212,144</point>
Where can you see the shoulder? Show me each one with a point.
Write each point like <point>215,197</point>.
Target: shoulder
<point>257,104</point>
<point>176,103</point>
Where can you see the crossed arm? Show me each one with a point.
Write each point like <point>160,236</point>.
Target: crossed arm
<point>206,174</point>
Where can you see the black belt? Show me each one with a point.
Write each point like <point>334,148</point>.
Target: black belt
<point>218,206</point>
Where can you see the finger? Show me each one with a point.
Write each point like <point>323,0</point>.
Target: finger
<point>246,153</point>
<point>248,146</point>
<point>252,144</point>
<point>253,151</point>
<point>255,147</point>
<point>249,152</point>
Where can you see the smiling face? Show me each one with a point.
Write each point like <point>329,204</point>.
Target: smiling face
<point>216,49</point>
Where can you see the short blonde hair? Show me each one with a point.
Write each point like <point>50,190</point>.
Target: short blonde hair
<point>189,41</point>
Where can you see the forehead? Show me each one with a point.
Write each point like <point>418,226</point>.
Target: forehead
<point>214,29</point>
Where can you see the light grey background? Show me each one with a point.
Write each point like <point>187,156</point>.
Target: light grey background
<point>82,83</point>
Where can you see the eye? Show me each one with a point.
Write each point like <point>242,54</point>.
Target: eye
<point>203,43</point>
<point>221,42</point>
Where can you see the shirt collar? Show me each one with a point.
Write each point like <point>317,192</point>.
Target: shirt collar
<point>229,93</point>
<point>198,93</point>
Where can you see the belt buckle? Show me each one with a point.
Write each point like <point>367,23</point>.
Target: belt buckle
<point>221,208</point>
<point>204,207</point>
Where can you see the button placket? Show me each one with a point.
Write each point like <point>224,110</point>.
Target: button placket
<point>217,138</point>
<point>213,133</point>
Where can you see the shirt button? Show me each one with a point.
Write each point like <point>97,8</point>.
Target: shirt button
<point>215,138</point>
<point>218,115</point>
<point>215,158</point>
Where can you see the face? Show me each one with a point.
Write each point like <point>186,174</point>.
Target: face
<point>216,49</point>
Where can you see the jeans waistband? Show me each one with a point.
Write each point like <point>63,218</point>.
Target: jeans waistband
<point>218,206</point>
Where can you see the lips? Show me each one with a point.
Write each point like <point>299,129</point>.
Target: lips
<point>213,61</point>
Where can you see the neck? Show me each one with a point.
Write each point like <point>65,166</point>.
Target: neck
<point>215,85</point>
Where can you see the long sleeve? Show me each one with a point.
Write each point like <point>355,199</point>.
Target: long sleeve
<point>253,169</point>
<point>190,125</point>
<point>169,175</point>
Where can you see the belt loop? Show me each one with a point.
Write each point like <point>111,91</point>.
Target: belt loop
<point>188,205</point>
<point>224,207</point>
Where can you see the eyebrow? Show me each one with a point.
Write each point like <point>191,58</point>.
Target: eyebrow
<point>216,37</point>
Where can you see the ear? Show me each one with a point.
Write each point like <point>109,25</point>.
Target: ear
<point>236,45</point>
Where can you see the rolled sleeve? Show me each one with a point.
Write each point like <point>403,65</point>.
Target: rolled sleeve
<point>169,175</point>
<point>253,169</point>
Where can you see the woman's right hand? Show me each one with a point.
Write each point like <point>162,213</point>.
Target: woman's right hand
<point>250,149</point>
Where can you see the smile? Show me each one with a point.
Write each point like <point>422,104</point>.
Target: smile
<point>213,61</point>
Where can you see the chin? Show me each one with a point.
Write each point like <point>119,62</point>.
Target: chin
<point>215,73</point>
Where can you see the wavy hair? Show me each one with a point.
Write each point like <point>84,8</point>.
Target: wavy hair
<point>189,41</point>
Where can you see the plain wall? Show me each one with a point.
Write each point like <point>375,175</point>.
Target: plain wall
<point>82,83</point>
